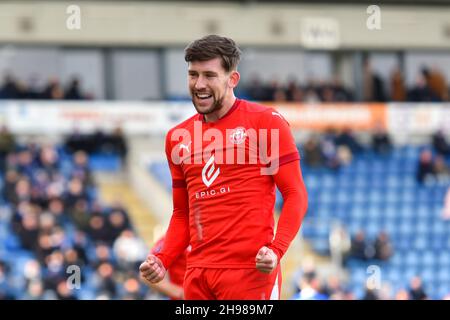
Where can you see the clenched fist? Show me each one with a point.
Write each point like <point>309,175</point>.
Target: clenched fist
<point>152,269</point>
<point>266,260</point>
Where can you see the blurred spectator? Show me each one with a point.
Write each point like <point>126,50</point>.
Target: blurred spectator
<point>373,87</point>
<point>370,294</point>
<point>5,288</point>
<point>313,153</point>
<point>441,170</point>
<point>340,92</point>
<point>440,144</point>
<point>53,90</point>
<point>7,145</point>
<point>311,96</point>
<point>117,223</point>
<point>436,82</point>
<point>116,143</point>
<point>104,280</point>
<point>132,289</point>
<point>340,245</point>
<point>9,187</point>
<point>81,168</point>
<point>63,292</point>
<point>9,89</point>
<point>381,141</point>
<point>129,250</point>
<point>416,289</point>
<point>29,230</point>
<point>73,91</point>
<point>35,290</point>
<point>398,90</point>
<point>279,95</point>
<point>77,141</point>
<point>309,288</point>
<point>446,207</point>
<point>256,90</point>
<point>347,138</point>
<point>81,215</point>
<point>383,247</point>
<point>54,270</point>
<point>425,167</point>
<point>329,149</point>
<point>344,155</point>
<point>333,288</point>
<point>98,230</point>
<point>421,92</point>
<point>402,295</point>
<point>360,248</point>
<point>102,255</point>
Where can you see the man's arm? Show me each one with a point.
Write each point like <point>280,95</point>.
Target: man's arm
<point>177,235</point>
<point>290,183</point>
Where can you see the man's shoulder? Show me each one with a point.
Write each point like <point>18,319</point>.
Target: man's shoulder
<point>263,113</point>
<point>254,108</point>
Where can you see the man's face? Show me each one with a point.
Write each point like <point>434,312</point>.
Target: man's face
<point>208,85</point>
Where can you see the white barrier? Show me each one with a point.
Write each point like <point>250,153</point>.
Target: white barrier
<point>156,118</point>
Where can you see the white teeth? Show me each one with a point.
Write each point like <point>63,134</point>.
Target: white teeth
<point>203,96</point>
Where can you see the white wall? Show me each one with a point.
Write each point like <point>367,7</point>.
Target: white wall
<point>177,23</point>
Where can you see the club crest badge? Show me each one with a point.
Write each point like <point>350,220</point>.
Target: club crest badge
<point>238,135</point>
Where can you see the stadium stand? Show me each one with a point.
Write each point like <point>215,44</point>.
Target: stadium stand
<point>51,218</point>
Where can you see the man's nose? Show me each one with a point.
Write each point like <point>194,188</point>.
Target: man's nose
<point>200,83</point>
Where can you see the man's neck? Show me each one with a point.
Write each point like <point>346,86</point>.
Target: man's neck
<point>227,104</point>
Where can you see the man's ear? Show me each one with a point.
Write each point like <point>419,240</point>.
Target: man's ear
<point>234,79</point>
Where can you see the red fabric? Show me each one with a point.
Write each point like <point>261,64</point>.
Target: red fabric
<point>178,268</point>
<point>222,284</point>
<point>290,183</point>
<point>228,216</point>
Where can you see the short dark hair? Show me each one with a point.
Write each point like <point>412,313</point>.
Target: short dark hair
<point>214,46</point>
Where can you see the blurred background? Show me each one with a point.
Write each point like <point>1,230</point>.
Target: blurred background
<point>88,89</point>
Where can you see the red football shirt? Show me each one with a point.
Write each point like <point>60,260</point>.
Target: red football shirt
<point>231,202</point>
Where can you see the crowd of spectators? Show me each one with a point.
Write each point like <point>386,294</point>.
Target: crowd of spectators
<point>430,86</point>
<point>312,283</point>
<point>14,88</point>
<point>332,149</point>
<point>99,141</point>
<point>433,163</point>
<point>56,219</point>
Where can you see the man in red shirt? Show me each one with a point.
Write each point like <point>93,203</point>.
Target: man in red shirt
<point>225,163</point>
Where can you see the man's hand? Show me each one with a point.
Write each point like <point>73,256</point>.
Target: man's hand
<point>266,260</point>
<point>152,269</point>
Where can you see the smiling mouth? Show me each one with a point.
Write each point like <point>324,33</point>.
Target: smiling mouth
<point>203,96</point>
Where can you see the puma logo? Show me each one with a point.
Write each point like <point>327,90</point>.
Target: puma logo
<point>277,114</point>
<point>186,147</point>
